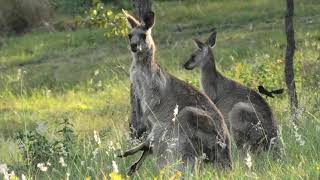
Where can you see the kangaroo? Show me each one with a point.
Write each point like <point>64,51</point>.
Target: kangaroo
<point>199,126</point>
<point>248,116</point>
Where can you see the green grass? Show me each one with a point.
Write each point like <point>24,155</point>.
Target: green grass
<point>47,76</point>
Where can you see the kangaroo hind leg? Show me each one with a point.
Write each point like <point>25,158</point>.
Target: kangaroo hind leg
<point>143,146</point>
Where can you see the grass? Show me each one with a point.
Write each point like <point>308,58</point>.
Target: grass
<point>45,77</point>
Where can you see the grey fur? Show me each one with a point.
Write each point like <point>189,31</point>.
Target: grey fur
<point>248,116</point>
<point>199,126</point>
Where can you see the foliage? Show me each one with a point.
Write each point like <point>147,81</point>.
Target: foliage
<point>37,148</point>
<point>76,7</point>
<point>19,16</point>
<point>264,73</point>
<point>115,24</point>
<point>72,7</point>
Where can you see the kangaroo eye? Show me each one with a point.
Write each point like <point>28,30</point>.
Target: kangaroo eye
<point>143,36</point>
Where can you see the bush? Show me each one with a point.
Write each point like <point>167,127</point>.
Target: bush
<point>18,16</point>
<point>76,7</point>
<point>115,24</point>
<point>38,149</point>
<point>72,7</point>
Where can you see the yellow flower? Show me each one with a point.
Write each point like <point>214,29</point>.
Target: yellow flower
<point>115,176</point>
<point>14,177</point>
<point>87,178</point>
<point>279,61</point>
<point>161,174</point>
<point>176,176</point>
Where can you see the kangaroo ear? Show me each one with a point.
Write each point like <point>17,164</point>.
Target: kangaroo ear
<point>133,22</point>
<point>199,44</point>
<point>149,19</point>
<point>212,38</point>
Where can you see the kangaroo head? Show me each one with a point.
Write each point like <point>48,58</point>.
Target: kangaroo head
<point>203,53</point>
<point>140,35</point>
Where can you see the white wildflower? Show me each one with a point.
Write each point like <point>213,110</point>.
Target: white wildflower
<point>231,57</point>
<point>168,150</point>
<point>298,136</point>
<point>23,177</point>
<point>4,171</point>
<point>19,74</point>
<point>96,72</point>
<point>82,163</point>
<point>48,93</point>
<point>96,137</point>
<point>48,164</point>
<point>163,137</point>
<point>248,161</point>
<point>68,175</point>
<point>41,128</point>
<point>95,152</point>
<point>115,167</point>
<point>118,145</point>
<point>111,146</point>
<point>203,157</point>
<point>63,149</point>
<point>61,161</point>
<point>90,168</point>
<point>175,112</point>
<point>221,144</point>
<point>91,81</point>
<point>99,83</point>
<point>42,167</point>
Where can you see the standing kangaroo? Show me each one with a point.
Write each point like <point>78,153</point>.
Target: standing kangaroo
<point>247,114</point>
<point>199,126</point>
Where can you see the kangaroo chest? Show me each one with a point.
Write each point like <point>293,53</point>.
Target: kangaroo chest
<point>145,88</point>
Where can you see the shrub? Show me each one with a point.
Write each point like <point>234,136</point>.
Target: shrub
<point>38,149</point>
<point>18,16</point>
<point>97,16</point>
<point>71,6</point>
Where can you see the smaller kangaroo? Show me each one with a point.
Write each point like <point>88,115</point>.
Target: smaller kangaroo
<point>248,116</point>
<point>199,126</point>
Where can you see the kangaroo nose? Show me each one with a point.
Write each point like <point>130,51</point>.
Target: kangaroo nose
<point>134,47</point>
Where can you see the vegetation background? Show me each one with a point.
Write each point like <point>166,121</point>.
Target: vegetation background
<point>64,86</point>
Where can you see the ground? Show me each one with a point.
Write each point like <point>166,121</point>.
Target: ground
<point>83,76</point>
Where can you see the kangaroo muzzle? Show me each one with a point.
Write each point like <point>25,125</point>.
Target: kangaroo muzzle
<point>187,65</point>
<point>134,47</point>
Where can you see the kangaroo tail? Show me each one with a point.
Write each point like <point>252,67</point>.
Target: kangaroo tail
<point>241,116</point>
<point>245,125</point>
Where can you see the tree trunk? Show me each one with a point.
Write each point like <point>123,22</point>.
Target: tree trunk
<point>289,70</point>
<point>141,7</point>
